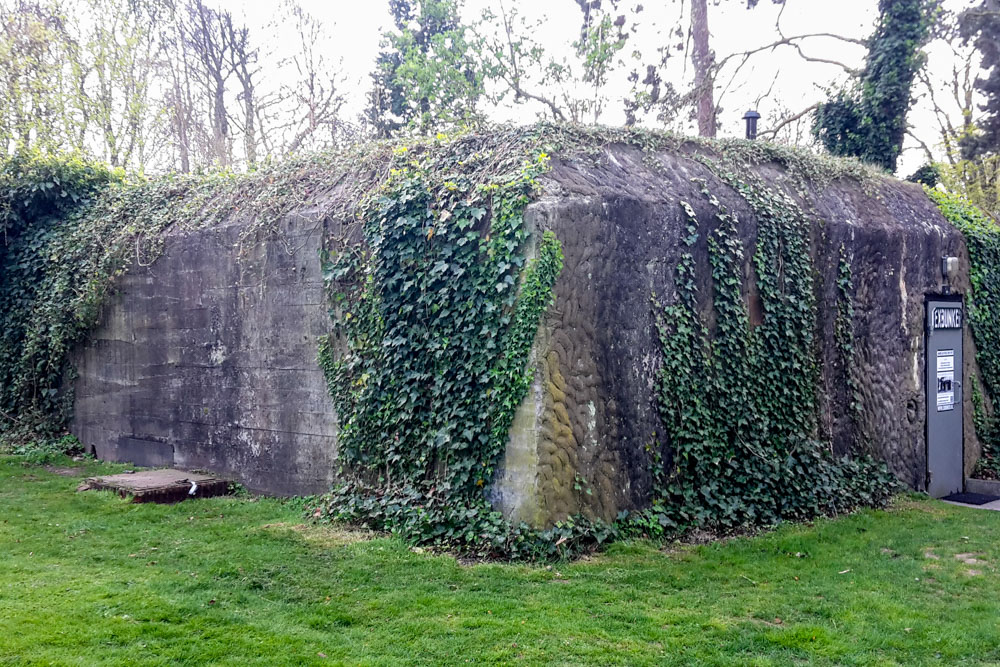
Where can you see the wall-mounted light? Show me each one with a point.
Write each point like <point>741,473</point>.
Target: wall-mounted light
<point>949,271</point>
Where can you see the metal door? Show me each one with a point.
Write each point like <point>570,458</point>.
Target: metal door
<point>945,443</point>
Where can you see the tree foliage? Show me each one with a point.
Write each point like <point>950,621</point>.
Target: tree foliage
<point>427,74</point>
<point>974,169</point>
<point>868,120</point>
<point>163,84</point>
<point>39,95</point>
<point>981,26</point>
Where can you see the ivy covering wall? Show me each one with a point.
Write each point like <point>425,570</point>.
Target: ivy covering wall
<point>50,268</point>
<point>69,227</point>
<point>744,437</point>
<point>437,288</point>
<point>435,312</point>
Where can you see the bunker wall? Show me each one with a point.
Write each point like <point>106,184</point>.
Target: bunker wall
<point>581,440</point>
<point>207,360</point>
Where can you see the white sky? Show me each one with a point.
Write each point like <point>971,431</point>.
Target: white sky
<point>353,31</point>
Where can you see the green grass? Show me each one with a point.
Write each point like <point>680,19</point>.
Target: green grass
<point>88,578</point>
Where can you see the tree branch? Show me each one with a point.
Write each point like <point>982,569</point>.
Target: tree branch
<point>773,132</point>
<point>790,41</point>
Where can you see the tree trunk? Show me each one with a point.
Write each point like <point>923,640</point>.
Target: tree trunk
<point>220,122</point>
<point>179,110</point>
<point>250,135</point>
<point>703,59</point>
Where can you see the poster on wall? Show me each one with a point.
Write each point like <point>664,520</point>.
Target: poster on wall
<point>945,380</point>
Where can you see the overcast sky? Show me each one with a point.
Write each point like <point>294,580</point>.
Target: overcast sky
<point>354,28</point>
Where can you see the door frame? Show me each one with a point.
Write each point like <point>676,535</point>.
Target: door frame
<point>948,298</point>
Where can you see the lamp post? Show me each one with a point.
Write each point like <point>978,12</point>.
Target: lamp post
<point>751,118</point>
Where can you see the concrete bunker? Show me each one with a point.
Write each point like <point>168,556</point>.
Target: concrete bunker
<point>208,360</point>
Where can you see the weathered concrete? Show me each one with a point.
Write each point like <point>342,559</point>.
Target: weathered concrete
<point>593,402</point>
<point>987,487</point>
<point>159,486</point>
<point>207,359</point>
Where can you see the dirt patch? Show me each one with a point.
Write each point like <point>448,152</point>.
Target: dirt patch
<point>319,536</point>
<point>931,508</point>
<point>699,537</point>
<point>969,559</point>
<point>64,471</point>
<point>931,555</point>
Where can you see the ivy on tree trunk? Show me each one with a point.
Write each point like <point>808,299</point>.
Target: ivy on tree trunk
<point>868,120</point>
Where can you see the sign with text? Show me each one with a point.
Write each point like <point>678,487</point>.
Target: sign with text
<point>947,318</point>
<point>945,379</point>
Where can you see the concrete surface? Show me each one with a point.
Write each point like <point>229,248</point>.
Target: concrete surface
<point>995,505</point>
<point>159,486</point>
<point>207,358</point>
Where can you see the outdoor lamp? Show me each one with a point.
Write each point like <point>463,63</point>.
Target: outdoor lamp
<point>949,271</point>
<point>751,117</point>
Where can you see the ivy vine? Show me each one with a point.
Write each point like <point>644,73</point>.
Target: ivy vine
<point>982,238</point>
<point>868,119</point>
<point>44,295</point>
<point>740,405</point>
<point>434,315</point>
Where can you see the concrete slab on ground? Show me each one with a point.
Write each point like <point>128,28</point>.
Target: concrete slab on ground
<point>995,505</point>
<point>166,485</point>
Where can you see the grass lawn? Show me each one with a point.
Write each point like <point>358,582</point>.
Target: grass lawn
<point>87,578</point>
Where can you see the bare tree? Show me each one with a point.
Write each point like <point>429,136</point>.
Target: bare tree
<point>316,91</point>
<point>176,77</point>
<point>713,76</point>
<point>242,60</point>
<point>515,60</point>
<point>703,60</point>
<point>208,38</point>
<point>565,88</point>
<point>120,52</point>
<point>949,95</point>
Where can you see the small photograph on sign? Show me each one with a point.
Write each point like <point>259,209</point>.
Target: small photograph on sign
<point>945,360</point>
<point>945,381</point>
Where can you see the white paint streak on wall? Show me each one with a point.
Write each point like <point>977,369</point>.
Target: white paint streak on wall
<point>903,302</point>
